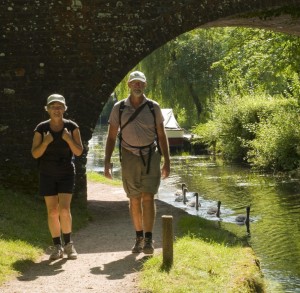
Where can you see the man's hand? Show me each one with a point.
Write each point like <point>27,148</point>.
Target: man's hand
<point>108,170</point>
<point>165,171</point>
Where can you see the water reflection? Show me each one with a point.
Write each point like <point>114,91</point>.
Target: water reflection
<point>274,201</point>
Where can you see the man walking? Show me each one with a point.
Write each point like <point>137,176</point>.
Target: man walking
<point>143,141</point>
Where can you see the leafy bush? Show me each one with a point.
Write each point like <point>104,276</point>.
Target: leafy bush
<point>255,129</point>
<point>277,142</point>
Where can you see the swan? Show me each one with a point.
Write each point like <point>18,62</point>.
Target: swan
<point>215,210</point>
<point>243,219</point>
<point>182,197</point>
<point>180,192</point>
<point>193,203</point>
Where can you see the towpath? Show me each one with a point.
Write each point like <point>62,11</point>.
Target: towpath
<point>105,262</point>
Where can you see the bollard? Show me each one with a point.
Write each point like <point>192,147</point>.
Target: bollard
<point>167,229</point>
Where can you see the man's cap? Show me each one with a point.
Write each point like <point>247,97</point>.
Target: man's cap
<point>137,75</point>
<point>56,98</point>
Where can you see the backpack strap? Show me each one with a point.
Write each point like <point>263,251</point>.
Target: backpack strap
<point>151,107</point>
<point>121,109</point>
<point>131,118</point>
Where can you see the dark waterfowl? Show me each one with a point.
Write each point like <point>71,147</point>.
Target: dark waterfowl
<point>180,192</point>
<point>243,219</point>
<point>182,197</point>
<point>215,210</point>
<point>193,203</point>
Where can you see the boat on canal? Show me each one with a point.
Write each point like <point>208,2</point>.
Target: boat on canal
<point>177,136</point>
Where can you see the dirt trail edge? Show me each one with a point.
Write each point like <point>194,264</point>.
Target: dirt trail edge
<point>105,262</point>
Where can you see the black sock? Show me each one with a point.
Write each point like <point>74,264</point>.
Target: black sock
<point>148,235</point>
<point>67,238</point>
<point>139,233</point>
<point>56,240</point>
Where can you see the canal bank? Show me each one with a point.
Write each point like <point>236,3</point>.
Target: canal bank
<point>274,201</point>
<point>105,262</point>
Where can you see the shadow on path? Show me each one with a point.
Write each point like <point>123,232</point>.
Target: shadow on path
<point>105,262</point>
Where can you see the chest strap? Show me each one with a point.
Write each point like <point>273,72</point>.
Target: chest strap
<point>131,118</point>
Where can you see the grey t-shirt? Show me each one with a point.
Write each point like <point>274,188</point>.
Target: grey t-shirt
<point>139,132</point>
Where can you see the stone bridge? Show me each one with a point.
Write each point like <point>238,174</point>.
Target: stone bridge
<point>83,49</point>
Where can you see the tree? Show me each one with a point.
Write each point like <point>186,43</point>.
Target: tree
<point>182,77</point>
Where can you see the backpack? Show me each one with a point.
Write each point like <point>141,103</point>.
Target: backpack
<point>131,118</point>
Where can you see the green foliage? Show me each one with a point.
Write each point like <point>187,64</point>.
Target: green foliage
<point>277,142</point>
<point>258,61</point>
<point>198,68</point>
<point>108,106</point>
<point>206,259</point>
<point>15,251</point>
<point>183,74</point>
<point>207,133</point>
<point>180,77</point>
<point>96,177</point>
<point>24,232</point>
<point>210,75</point>
<point>258,130</point>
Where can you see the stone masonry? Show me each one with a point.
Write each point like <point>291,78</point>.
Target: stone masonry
<point>83,49</point>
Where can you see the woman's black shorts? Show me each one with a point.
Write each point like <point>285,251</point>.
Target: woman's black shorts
<point>53,185</point>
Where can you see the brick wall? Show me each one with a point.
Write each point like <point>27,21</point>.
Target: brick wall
<point>82,49</point>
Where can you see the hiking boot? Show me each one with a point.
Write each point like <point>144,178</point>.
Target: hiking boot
<point>57,252</point>
<point>70,251</point>
<point>148,246</point>
<point>138,246</point>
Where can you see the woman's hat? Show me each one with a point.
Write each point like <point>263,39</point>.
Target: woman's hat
<point>56,98</point>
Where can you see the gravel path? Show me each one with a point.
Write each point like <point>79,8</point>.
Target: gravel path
<point>105,262</point>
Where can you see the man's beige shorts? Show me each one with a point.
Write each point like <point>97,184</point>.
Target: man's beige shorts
<point>134,173</point>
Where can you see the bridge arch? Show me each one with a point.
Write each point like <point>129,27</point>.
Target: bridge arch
<point>83,49</point>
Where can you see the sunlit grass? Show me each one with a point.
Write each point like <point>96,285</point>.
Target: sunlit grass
<point>15,251</point>
<point>24,233</point>
<point>206,259</point>
<point>96,177</point>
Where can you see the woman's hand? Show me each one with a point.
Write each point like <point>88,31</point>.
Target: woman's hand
<point>66,135</point>
<point>47,138</point>
<point>73,140</point>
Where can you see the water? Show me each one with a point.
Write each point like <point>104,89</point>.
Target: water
<point>275,206</point>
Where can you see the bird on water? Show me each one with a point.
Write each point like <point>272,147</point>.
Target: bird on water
<point>180,192</point>
<point>194,202</point>
<point>215,210</point>
<point>183,196</point>
<point>243,219</point>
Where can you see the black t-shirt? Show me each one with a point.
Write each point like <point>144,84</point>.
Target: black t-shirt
<point>57,159</point>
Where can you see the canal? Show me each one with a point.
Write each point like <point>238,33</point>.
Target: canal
<point>274,206</point>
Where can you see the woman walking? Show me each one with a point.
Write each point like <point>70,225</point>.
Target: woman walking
<point>55,143</point>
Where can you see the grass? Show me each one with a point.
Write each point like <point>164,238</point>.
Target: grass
<point>96,177</point>
<point>206,259</point>
<point>24,233</point>
<point>15,251</point>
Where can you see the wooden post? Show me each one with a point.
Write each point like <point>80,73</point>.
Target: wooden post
<point>167,225</point>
